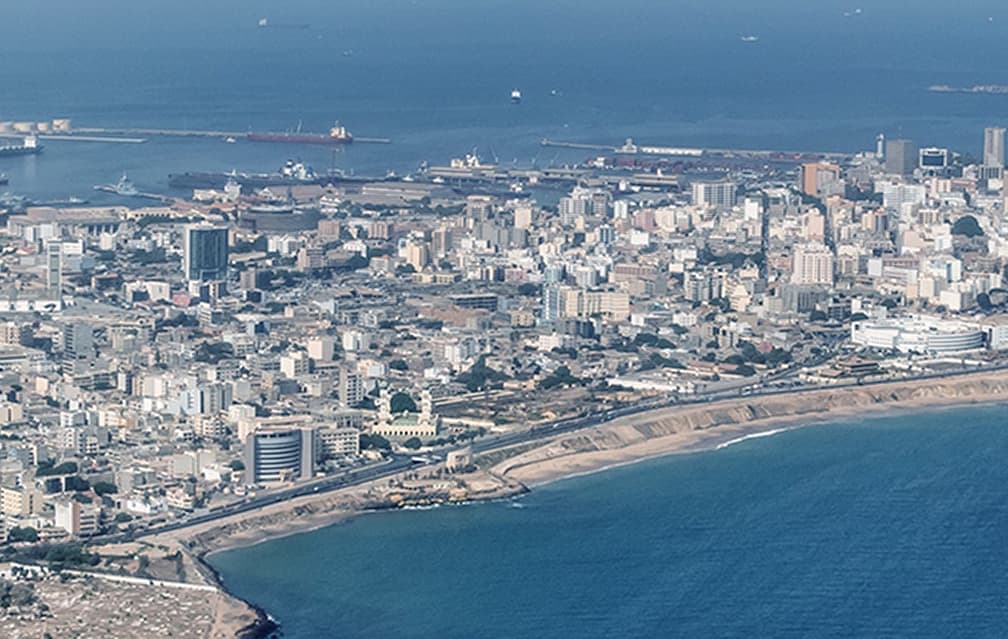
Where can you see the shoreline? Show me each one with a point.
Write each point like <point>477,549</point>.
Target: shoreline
<point>759,430</point>
<point>664,432</point>
<point>704,428</point>
<point>554,468</point>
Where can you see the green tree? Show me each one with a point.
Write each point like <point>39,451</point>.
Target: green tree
<point>105,488</point>
<point>480,376</point>
<point>371,441</point>
<point>968,226</point>
<point>413,443</point>
<point>26,533</point>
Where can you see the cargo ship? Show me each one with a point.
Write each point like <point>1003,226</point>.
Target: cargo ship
<point>28,146</point>
<point>336,135</point>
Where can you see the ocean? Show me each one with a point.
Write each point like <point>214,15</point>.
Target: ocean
<point>435,76</point>
<point>878,527</point>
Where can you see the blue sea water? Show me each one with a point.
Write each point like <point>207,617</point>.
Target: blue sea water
<point>882,527</point>
<point>435,75</point>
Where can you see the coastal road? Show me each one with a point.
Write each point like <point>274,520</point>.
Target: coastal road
<point>352,477</point>
<point>399,463</point>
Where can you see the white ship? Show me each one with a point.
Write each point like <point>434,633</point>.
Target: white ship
<point>516,96</point>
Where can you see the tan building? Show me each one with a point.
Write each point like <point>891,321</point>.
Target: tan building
<point>818,177</point>
<point>417,255</point>
<point>80,520</point>
<point>580,304</point>
<point>22,501</point>
<point>812,263</point>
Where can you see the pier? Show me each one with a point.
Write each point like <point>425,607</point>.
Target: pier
<point>119,134</point>
<point>93,138</point>
<point>630,148</point>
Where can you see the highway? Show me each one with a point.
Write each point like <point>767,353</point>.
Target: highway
<point>399,463</point>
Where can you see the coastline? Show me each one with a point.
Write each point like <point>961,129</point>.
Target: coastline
<point>664,432</point>
<point>684,430</point>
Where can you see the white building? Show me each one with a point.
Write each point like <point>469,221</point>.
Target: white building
<point>918,334</point>
<point>719,194</point>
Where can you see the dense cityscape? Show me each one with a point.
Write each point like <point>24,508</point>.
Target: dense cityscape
<point>181,358</point>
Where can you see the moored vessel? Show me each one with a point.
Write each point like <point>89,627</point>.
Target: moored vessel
<point>337,135</point>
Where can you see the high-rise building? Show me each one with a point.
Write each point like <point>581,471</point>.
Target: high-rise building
<point>441,242</point>
<point>994,151</point>
<point>417,255</point>
<point>350,388</point>
<point>819,179</point>
<point>279,455</point>
<point>54,268</point>
<point>550,303</point>
<point>78,340</point>
<point>205,254</point>
<point>719,194</point>
<point>813,264</point>
<point>900,157</point>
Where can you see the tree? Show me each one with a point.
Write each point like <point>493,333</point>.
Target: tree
<point>105,488</point>
<point>26,533</point>
<point>403,403</point>
<point>560,377</point>
<point>237,465</point>
<point>398,365</point>
<point>529,289</point>
<point>480,376</point>
<point>817,316</point>
<point>77,483</point>
<point>46,468</point>
<point>968,226</point>
<point>413,443</point>
<point>374,442</point>
<point>213,353</point>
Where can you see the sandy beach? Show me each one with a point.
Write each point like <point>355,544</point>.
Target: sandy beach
<point>688,429</point>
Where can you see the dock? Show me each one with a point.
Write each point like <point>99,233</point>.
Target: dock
<point>118,134</point>
<point>93,138</point>
<point>630,148</point>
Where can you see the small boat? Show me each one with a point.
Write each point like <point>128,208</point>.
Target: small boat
<point>3,179</point>
<point>230,140</point>
<point>516,96</point>
<point>749,38</point>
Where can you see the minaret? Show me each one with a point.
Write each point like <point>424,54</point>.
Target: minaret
<point>384,407</point>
